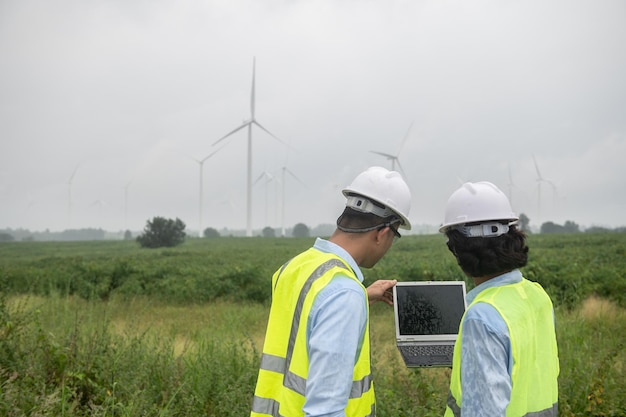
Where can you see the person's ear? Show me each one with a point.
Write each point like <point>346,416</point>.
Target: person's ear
<point>381,234</point>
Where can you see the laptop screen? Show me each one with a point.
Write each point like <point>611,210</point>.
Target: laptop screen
<point>429,308</point>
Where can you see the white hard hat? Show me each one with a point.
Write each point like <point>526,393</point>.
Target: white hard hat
<point>478,202</point>
<point>384,187</point>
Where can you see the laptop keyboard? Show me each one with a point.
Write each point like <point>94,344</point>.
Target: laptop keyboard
<point>429,350</point>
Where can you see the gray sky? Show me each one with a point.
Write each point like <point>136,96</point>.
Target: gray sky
<point>117,97</point>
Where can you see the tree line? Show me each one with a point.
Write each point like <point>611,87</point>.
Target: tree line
<point>170,232</point>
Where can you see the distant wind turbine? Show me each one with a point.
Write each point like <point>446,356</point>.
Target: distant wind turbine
<point>69,198</point>
<point>99,204</point>
<point>268,178</point>
<point>248,124</point>
<point>126,204</point>
<point>286,171</point>
<point>395,158</point>
<point>541,179</point>
<point>510,185</point>
<point>229,203</point>
<point>233,208</point>
<point>201,163</point>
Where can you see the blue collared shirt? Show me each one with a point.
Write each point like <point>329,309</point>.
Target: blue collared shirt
<point>334,333</point>
<point>486,356</point>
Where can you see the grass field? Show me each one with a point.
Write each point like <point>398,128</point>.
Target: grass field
<point>108,329</point>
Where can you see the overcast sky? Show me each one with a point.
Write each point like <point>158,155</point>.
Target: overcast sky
<point>104,105</point>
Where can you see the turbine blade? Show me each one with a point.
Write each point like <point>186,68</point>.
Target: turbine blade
<point>406,136</point>
<point>259,178</point>
<point>270,133</point>
<point>400,167</point>
<point>228,134</point>
<point>268,177</point>
<point>294,176</point>
<point>210,155</point>
<point>540,178</point>
<point>73,173</point>
<point>386,155</point>
<point>552,185</point>
<point>252,99</point>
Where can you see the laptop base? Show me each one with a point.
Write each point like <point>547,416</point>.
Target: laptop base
<point>415,357</point>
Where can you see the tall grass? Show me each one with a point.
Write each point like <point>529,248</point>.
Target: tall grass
<point>71,357</point>
<point>591,341</point>
<point>109,329</point>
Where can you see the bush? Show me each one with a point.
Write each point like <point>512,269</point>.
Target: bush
<point>210,232</point>
<point>6,237</point>
<point>268,232</point>
<point>162,232</point>
<point>300,230</point>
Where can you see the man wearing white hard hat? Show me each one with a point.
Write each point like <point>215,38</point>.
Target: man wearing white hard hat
<point>505,358</point>
<point>316,354</point>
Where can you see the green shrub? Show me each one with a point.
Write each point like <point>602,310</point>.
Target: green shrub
<point>161,232</point>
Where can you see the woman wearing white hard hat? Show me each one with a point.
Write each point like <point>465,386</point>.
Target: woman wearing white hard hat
<point>505,358</point>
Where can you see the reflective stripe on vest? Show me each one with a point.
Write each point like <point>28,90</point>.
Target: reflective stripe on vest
<point>270,407</point>
<point>298,384</point>
<point>280,365</point>
<point>533,386</point>
<point>456,411</point>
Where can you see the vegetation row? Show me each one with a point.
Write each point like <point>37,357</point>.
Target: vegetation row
<point>570,267</point>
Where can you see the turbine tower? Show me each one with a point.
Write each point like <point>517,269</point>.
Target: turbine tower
<point>248,124</point>
<point>201,163</point>
<point>395,158</point>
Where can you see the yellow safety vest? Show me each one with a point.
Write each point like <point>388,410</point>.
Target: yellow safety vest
<point>528,313</point>
<point>282,379</point>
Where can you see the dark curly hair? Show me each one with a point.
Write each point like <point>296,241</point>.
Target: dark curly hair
<point>479,257</point>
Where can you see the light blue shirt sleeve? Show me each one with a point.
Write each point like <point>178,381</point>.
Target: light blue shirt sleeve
<point>485,363</point>
<point>335,332</point>
<point>486,356</point>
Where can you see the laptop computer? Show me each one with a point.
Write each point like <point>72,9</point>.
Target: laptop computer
<point>427,317</point>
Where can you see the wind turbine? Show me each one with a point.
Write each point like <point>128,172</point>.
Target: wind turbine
<point>69,198</point>
<point>268,178</point>
<point>394,158</point>
<point>232,208</point>
<point>510,185</point>
<point>540,179</point>
<point>99,204</point>
<point>286,171</point>
<point>126,204</point>
<point>248,124</point>
<point>201,163</point>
